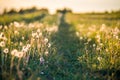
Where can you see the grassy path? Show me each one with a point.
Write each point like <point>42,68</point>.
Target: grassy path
<point>67,45</point>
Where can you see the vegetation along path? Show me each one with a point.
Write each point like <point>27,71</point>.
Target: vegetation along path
<point>67,44</point>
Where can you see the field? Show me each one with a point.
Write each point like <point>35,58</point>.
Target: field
<point>63,46</point>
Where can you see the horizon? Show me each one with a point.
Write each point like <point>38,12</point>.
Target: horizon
<point>77,6</point>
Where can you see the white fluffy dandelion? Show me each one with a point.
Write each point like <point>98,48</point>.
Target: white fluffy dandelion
<point>42,60</point>
<point>14,52</point>
<point>49,45</point>
<point>94,45</point>
<point>20,54</point>
<point>46,40</point>
<point>6,50</point>
<point>2,44</point>
<point>46,53</point>
<point>1,35</point>
<point>99,58</point>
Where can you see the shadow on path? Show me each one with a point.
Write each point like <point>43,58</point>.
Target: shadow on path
<point>67,44</point>
<point>66,39</point>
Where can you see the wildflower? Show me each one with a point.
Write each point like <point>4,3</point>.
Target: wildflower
<point>116,37</point>
<point>38,30</point>
<point>103,27</point>
<point>81,38</point>
<point>28,45</point>
<point>46,53</point>
<point>34,34</point>
<point>31,25</point>
<point>16,24</point>
<point>42,60</point>
<point>46,40</point>
<point>4,38</point>
<point>14,52</point>
<point>42,72</point>
<point>106,50</point>
<point>49,45</point>
<point>52,29</point>
<point>99,58</point>
<point>23,37</point>
<point>116,31</point>
<point>98,48</point>
<point>16,32</point>
<point>6,50</point>
<point>94,45</point>
<point>24,49</point>
<point>0,26</point>
<point>77,33</point>
<point>2,44</point>
<point>20,54</point>
<point>101,44</point>
<point>89,40</point>
<point>5,27</point>
<point>98,36</point>
<point>21,43</point>
<point>37,37</point>
<point>1,35</point>
<point>40,34</point>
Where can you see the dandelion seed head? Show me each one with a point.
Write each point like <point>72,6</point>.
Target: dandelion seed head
<point>46,40</point>
<point>16,32</point>
<point>49,45</point>
<point>77,33</point>
<point>14,52</point>
<point>46,53</point>
<point>106,50</point>
<point>40,34</point>
<point>101,44</point>
<point>34,34</point>
<point>16,24</point>
<point>81,38</point>
<point>21,43</point>
<point>24,49</point>
<point>42,60</point>
<point>5,27</point>
<point>42,72</point>
<point>99,58</point>
<point>28,45</point>
<point>2,44</point>
<point>19,54</point>
<point>38,30</point>
<point>98,48</point>
<point>6,50</point>
<point>1,35</point>
<point>89,39</point>
<point>94,45</point>
<point>23,37</point>
<point>0,27</point>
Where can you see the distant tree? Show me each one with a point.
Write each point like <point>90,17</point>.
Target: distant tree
<point>5,11</point>
<point>65,10</point>
<point>106,12</point>
<point>32,9</point>
<point>44,10</point>
<point>21,11</point>
<point>12,11</point>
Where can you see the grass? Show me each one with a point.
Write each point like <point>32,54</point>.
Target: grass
<point>27,17</point>
<point>80,47</point>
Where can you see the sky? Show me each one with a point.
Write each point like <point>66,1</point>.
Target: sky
<point>52,5</point>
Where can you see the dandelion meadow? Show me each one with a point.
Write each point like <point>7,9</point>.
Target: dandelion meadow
<point>38,45</point>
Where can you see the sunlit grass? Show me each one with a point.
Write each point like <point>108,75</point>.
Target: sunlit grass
<point>81,47</point>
